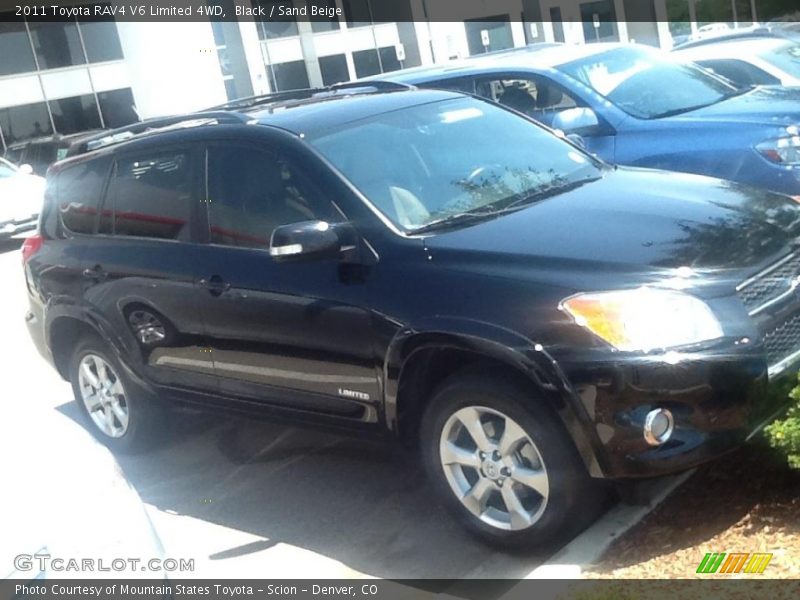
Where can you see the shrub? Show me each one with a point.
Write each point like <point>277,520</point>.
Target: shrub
<point>784,434</point>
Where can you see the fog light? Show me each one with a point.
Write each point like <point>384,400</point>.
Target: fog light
<point>658,426</point>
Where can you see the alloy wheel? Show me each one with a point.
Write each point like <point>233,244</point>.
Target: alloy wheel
<point>103,395</point>
<point>494,468</point>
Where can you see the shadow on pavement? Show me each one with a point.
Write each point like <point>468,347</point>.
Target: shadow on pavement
<point>363,503</point>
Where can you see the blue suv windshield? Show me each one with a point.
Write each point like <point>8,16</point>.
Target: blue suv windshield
<point>647,84</point>
<point>443,161</point>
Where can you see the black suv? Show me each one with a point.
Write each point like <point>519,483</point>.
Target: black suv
<point>426,264</point>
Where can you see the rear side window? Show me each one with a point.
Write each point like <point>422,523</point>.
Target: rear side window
<point>78,191</point>
<point>151,196</point>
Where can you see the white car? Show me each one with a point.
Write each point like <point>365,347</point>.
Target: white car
<point>752,61</point>
<point>21,198</point>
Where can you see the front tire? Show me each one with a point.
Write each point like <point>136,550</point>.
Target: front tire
<point>503,463</point>
<point>117,411</point>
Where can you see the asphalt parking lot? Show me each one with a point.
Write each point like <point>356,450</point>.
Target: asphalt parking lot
<point>247,498</point>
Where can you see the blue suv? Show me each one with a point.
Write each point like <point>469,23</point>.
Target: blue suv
<point>638,106</point>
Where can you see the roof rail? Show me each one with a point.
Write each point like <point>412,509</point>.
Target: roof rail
<point>379,85</point>
<point>305,93</point>
<point>121,134</point>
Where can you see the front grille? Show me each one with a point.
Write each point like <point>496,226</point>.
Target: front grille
<point>770,284</point>
<point>783,341</point>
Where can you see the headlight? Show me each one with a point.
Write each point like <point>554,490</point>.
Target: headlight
<point>644,319</point>
<point>783,151</point>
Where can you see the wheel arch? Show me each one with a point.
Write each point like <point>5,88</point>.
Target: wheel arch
<point>418,361</point>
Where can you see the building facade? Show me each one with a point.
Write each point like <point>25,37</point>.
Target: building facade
<point>74,76</point>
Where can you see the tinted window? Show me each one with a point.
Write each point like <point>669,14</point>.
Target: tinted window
<point>56,44</point>
<point>320,24</point>
<point>101,40</point>
<point>366,62</point>
<point>73,115</point>
<point>289,76</point>
<point>334,69</point>
<point>15,47</point>
<point>25,122</point>
<point>79,189</point>
<point>151,196</point>
<point>117,107</point>
<point>274,25</point>
<point>251,192</point>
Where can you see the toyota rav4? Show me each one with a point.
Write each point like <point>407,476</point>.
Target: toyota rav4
<point>425,264</point>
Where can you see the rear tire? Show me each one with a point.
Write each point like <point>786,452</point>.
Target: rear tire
<point>521,484</point>
<point>118,412</point>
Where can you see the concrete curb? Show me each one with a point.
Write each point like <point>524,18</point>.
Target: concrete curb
<point>588,547</point>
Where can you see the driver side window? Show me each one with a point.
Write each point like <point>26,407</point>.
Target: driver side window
<point>537,98</point>
<point>251,192</point>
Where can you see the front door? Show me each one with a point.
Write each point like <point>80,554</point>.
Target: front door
<point>290,333</point>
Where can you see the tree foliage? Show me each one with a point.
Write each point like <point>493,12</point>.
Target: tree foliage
<point>784,434</point>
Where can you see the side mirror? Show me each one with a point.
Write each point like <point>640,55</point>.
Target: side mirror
<point>578,120</point>
<point>26,169</point>
<point>310,240</point>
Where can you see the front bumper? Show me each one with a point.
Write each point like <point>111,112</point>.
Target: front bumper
<point>719,398</point>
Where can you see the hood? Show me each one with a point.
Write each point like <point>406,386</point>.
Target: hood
<point>770,105</point>
<point>632,220</point>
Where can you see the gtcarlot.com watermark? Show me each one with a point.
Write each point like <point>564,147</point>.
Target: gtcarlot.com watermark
<point>48,563</point>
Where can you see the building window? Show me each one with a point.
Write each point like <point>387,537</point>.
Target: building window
<point>357,12</point>
<point>558,24</point>
<point>288,76</point>
<point>369,62</point>
<point>319,24</point>
<point>389,60</point>
<point>277,26</point>
<point>56,44</point>
<point>117,107</point>
<point>101,40</point>
<point>25,122</point>
<point>334,69</point>
<point>498,28</point>
<point>366,62</point>
<point>605,29</point>
<point>15,47</point>
<point>73,115</point>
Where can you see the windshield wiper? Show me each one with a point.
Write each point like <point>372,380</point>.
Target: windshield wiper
<point>728,96</point>
<point>488,211</point>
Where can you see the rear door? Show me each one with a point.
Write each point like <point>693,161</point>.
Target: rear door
<point>139,271</point>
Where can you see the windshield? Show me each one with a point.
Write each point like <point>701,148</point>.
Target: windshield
<point>440,161</point>
<point>648,84</point>
<point>786,57</point>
